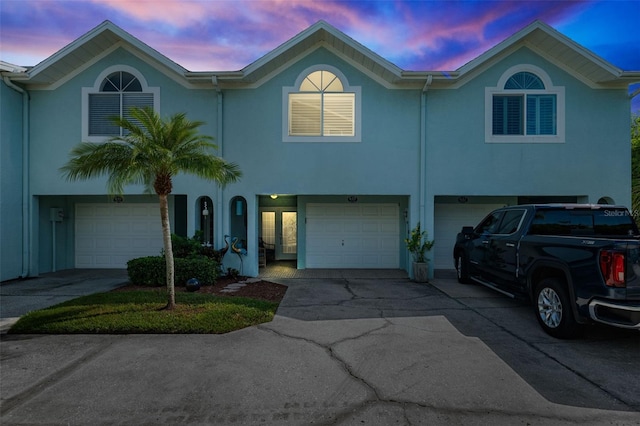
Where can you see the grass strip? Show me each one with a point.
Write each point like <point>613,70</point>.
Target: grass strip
<point>141,312</point>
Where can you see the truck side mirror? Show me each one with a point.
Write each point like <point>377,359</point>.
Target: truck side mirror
<point>467,230</point>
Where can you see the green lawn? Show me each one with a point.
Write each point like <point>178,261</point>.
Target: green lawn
<point>141,312</point>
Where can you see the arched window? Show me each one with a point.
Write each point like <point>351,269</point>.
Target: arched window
<point>524,80</point>
<point>119,92</point>
<point>535,112</point>
<point>321,107</point>
<point>525,107</point>
<point>238,221</point>
<point>116,90</point>
<point>206,220</point>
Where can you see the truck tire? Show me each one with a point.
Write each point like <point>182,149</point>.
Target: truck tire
<point>462,269</point>
<point>553,309</point>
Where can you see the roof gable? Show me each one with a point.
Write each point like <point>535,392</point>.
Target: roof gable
<point>556,48</point>
<point>88,48</point>
<point>321,34</point>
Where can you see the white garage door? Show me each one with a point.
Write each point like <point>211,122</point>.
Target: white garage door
<point>352,236</point>
<point>109,235</point>
<point>448,221</point>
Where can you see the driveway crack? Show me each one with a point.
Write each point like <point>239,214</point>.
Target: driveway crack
<point>329,349</point>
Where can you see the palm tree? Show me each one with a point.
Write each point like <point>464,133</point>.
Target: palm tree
<point>151,152</point>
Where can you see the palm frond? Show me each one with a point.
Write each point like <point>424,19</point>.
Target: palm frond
<point>150,147</point>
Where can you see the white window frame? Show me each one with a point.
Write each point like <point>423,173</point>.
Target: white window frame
<point>87,91</point>
<point>549,89</point>
<point>356,90</point>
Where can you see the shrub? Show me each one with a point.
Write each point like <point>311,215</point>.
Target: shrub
<point>202,268</point>
<point>148,270</point>
<point>184,247</point>
<point>151,270</point>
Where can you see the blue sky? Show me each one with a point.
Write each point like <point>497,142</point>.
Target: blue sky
<point>223,35</point>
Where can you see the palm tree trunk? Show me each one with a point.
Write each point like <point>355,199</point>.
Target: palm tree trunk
<point>168,251</point>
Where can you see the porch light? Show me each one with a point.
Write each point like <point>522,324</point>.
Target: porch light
<point>274,196</point>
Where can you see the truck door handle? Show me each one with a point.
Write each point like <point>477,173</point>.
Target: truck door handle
<point>510,245</point>
<point>485,242</point>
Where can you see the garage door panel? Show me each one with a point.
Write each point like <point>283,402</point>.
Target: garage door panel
<point>84,243</point>
<point>139,228</point>
<point>103,227</point>
<point>122,228</point>
<point>139,243</point>
<point>102,244</point>
<point>109,235</point>
<point>351,226</point>
<point>102,261</point>
<point>352,236</point>
<point>142,211</point>
<point>123,243</point>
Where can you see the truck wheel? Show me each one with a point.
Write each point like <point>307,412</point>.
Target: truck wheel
<point>553,309</point>
<point>462,268</point>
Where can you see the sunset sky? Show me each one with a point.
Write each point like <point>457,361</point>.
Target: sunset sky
<point>224,35</point>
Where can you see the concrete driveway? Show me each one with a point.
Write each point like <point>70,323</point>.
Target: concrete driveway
<point>342,350</point>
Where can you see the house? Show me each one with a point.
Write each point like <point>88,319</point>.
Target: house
<point>342,152</point>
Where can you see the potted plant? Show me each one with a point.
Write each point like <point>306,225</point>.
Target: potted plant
<point>418,246</point>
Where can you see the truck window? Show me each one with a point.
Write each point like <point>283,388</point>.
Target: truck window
<point>562,222</point>
<point>615,222</point>
<point>577,222</point>
<point>510,222</point>
<point>490,224</point>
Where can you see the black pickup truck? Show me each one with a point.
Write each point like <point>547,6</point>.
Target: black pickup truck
<point>576,263</point>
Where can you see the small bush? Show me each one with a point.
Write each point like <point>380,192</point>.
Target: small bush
<point>151,270</point>
<point>202,268</point>
<point>185,248</point>
<point>148,270</point>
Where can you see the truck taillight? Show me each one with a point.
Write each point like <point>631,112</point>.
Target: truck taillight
<point>612,265</point>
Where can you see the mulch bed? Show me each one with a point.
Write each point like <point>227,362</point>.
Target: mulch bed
<point>263,290</point>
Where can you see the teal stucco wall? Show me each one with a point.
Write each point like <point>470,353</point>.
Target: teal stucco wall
<point>11,188</point>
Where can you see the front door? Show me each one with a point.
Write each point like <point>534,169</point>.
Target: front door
<point>279,226</point>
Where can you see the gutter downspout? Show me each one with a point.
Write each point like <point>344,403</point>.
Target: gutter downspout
<point>219,222</point>
<point>422,187</point>
<point>26,203</point>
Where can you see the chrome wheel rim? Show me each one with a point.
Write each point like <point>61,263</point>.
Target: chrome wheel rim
<point>550,307</point>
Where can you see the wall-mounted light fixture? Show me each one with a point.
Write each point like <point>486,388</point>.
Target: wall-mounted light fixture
<point>274,196</point>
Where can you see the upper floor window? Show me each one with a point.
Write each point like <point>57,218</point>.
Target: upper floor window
<point>321,107</point>
<point>524,107</point>
<point>116,91</point>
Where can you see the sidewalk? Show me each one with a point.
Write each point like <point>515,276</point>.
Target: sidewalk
<point>21,296</point>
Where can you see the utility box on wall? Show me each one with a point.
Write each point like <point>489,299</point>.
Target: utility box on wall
<point>56,214</point>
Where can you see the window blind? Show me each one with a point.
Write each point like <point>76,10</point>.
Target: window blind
<point>339,109</point>
<point>305,114</point>
<point>102,106</point>
<point>541,114</point>
<point>507,115</point>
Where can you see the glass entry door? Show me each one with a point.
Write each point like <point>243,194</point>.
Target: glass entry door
<point>279,226</point>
